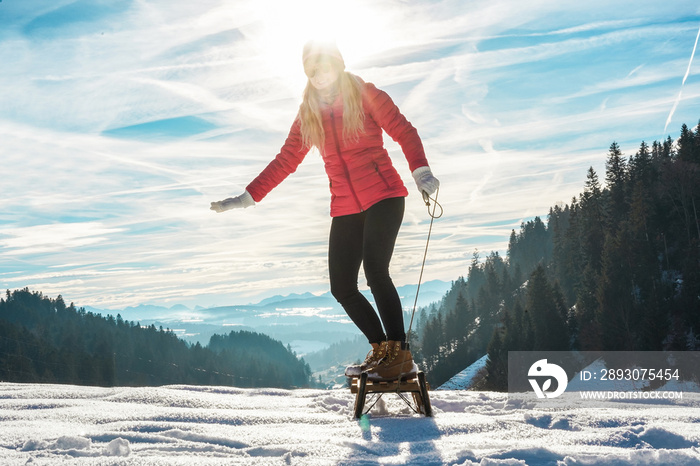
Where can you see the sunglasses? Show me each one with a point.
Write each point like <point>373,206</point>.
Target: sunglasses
<point>323,67</point>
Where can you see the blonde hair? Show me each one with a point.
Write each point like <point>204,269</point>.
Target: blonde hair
<point>350,88</point>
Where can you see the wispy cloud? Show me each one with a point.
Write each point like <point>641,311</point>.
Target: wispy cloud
<point>105,197</point>
<point>43,239</point>
<point>685,78</point>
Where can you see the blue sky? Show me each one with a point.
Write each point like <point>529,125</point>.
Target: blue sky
<point>121,121</point>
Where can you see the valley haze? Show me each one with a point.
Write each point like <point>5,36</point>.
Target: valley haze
<point>307,322</point>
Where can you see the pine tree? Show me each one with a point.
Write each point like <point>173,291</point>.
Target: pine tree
<point>573,256</point>
<point>464,318</point>
<point>550,332</point>
<point>687,146</point>
<point>592,220</point>
<point>497,364</point>
<point>524,335</point>
<point>641,168</point>
<point>422,321</point>
<point>562,257</point>
<point>681,187</point>
<point>616,179</point>
<point>615,290</point>
<point>430,342</point>
<point>475,277</point>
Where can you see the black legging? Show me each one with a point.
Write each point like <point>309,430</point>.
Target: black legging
<point>368,238</point>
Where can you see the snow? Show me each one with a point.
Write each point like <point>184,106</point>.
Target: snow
<point>188,425</point>
<point>464,379</point>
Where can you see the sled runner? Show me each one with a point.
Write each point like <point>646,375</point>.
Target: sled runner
<point>415,385</point>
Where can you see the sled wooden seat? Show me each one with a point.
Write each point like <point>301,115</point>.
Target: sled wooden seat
<point>417,386</point>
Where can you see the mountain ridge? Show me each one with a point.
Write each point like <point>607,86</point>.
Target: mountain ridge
<point>430,292</point>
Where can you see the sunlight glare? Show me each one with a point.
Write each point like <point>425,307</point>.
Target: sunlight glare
<point>359,28</point>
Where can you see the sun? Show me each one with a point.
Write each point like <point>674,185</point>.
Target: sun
<point>359,28</point>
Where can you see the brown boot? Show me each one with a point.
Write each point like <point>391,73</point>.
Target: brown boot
<point>375,355</point>
<point>397,363</point>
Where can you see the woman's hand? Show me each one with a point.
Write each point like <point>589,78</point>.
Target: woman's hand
<point>238,202</point>
<point>425,180</point>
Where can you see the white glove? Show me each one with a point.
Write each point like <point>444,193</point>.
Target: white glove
<point>425,180</point>
<point>238,202</point>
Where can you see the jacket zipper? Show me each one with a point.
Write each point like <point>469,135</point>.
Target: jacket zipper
<point>342,161</point>
<point>381,175</point>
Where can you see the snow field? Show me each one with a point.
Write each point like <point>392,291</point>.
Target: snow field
<point>187,425</point>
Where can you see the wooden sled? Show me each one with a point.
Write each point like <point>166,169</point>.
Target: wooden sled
<point>416,386</point>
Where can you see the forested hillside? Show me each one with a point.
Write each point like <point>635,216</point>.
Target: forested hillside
<point>43,340</point>
<point>618,268</point>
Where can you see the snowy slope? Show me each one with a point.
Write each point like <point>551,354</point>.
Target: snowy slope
<point>185,425</point>
<point>465,379</point>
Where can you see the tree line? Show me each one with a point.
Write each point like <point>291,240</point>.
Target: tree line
<point>618,268</point>
<point>44,340</point>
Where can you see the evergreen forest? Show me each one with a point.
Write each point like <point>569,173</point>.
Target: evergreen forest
<point>44,340</point>
<point>618,268</point>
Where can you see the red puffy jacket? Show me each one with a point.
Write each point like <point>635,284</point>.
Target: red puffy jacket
<point>360,172</point>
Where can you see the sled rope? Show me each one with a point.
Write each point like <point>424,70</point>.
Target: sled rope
<point>408,403</point>
<point>375,400</point>
<point>436,204</point>
<point>426,199</point>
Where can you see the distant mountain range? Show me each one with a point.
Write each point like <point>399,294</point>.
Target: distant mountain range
<point>305,321</point>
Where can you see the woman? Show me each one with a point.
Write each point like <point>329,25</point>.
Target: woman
<point>343,117</point>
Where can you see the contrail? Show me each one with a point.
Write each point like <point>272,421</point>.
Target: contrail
<point>687,72</point>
